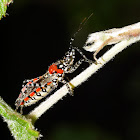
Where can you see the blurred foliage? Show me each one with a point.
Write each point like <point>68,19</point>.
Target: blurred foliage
<point>20,127</point>
<point>3,7</point>
<point>82,131</point>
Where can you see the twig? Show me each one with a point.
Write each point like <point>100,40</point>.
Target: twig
<point>122,38</point>
<point>96,41</point>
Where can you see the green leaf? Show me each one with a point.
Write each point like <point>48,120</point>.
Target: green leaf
<point>20,127</point>
<point>3,7</point>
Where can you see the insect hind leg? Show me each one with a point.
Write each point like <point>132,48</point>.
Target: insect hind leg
<point>21,109</point>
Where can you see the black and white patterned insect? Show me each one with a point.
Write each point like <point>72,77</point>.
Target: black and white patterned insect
<point>37,88</point>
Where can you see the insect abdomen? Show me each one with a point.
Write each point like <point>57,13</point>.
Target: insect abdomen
<point>36,95</point>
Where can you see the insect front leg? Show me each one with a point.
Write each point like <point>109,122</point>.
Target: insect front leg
<point>71,68</point>
<point>69,86</point>
<point>84,57</point>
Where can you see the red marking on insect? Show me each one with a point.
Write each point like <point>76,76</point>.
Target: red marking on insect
<point>22,103</point>
<point>59,71</point>
<point>49,83</point>
<point>29,83</point>
<point>32,94</point>
<point>52,68</point>
<point>35,79</point>
<point>26,99</point>
<point>38,89</point>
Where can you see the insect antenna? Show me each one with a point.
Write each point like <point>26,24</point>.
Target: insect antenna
<point>84,21</point>
<point>74,35</point>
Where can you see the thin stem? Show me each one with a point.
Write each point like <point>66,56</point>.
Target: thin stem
<point>83,76</point>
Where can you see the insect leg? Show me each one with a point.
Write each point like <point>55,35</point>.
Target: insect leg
<point>17,107</point>
<point>75,66</point>
<point>21,109</point>
<point>69,86</point>
<point>84,57</point>
<point>31,82</point>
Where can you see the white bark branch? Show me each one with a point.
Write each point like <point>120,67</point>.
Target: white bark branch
<point>121,37</point>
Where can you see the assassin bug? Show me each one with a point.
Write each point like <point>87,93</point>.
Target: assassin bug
<point>35,89</point>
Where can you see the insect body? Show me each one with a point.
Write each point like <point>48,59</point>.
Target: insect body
<point>35,89</point>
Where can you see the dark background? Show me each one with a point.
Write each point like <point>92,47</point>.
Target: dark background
<point>37,33</point>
